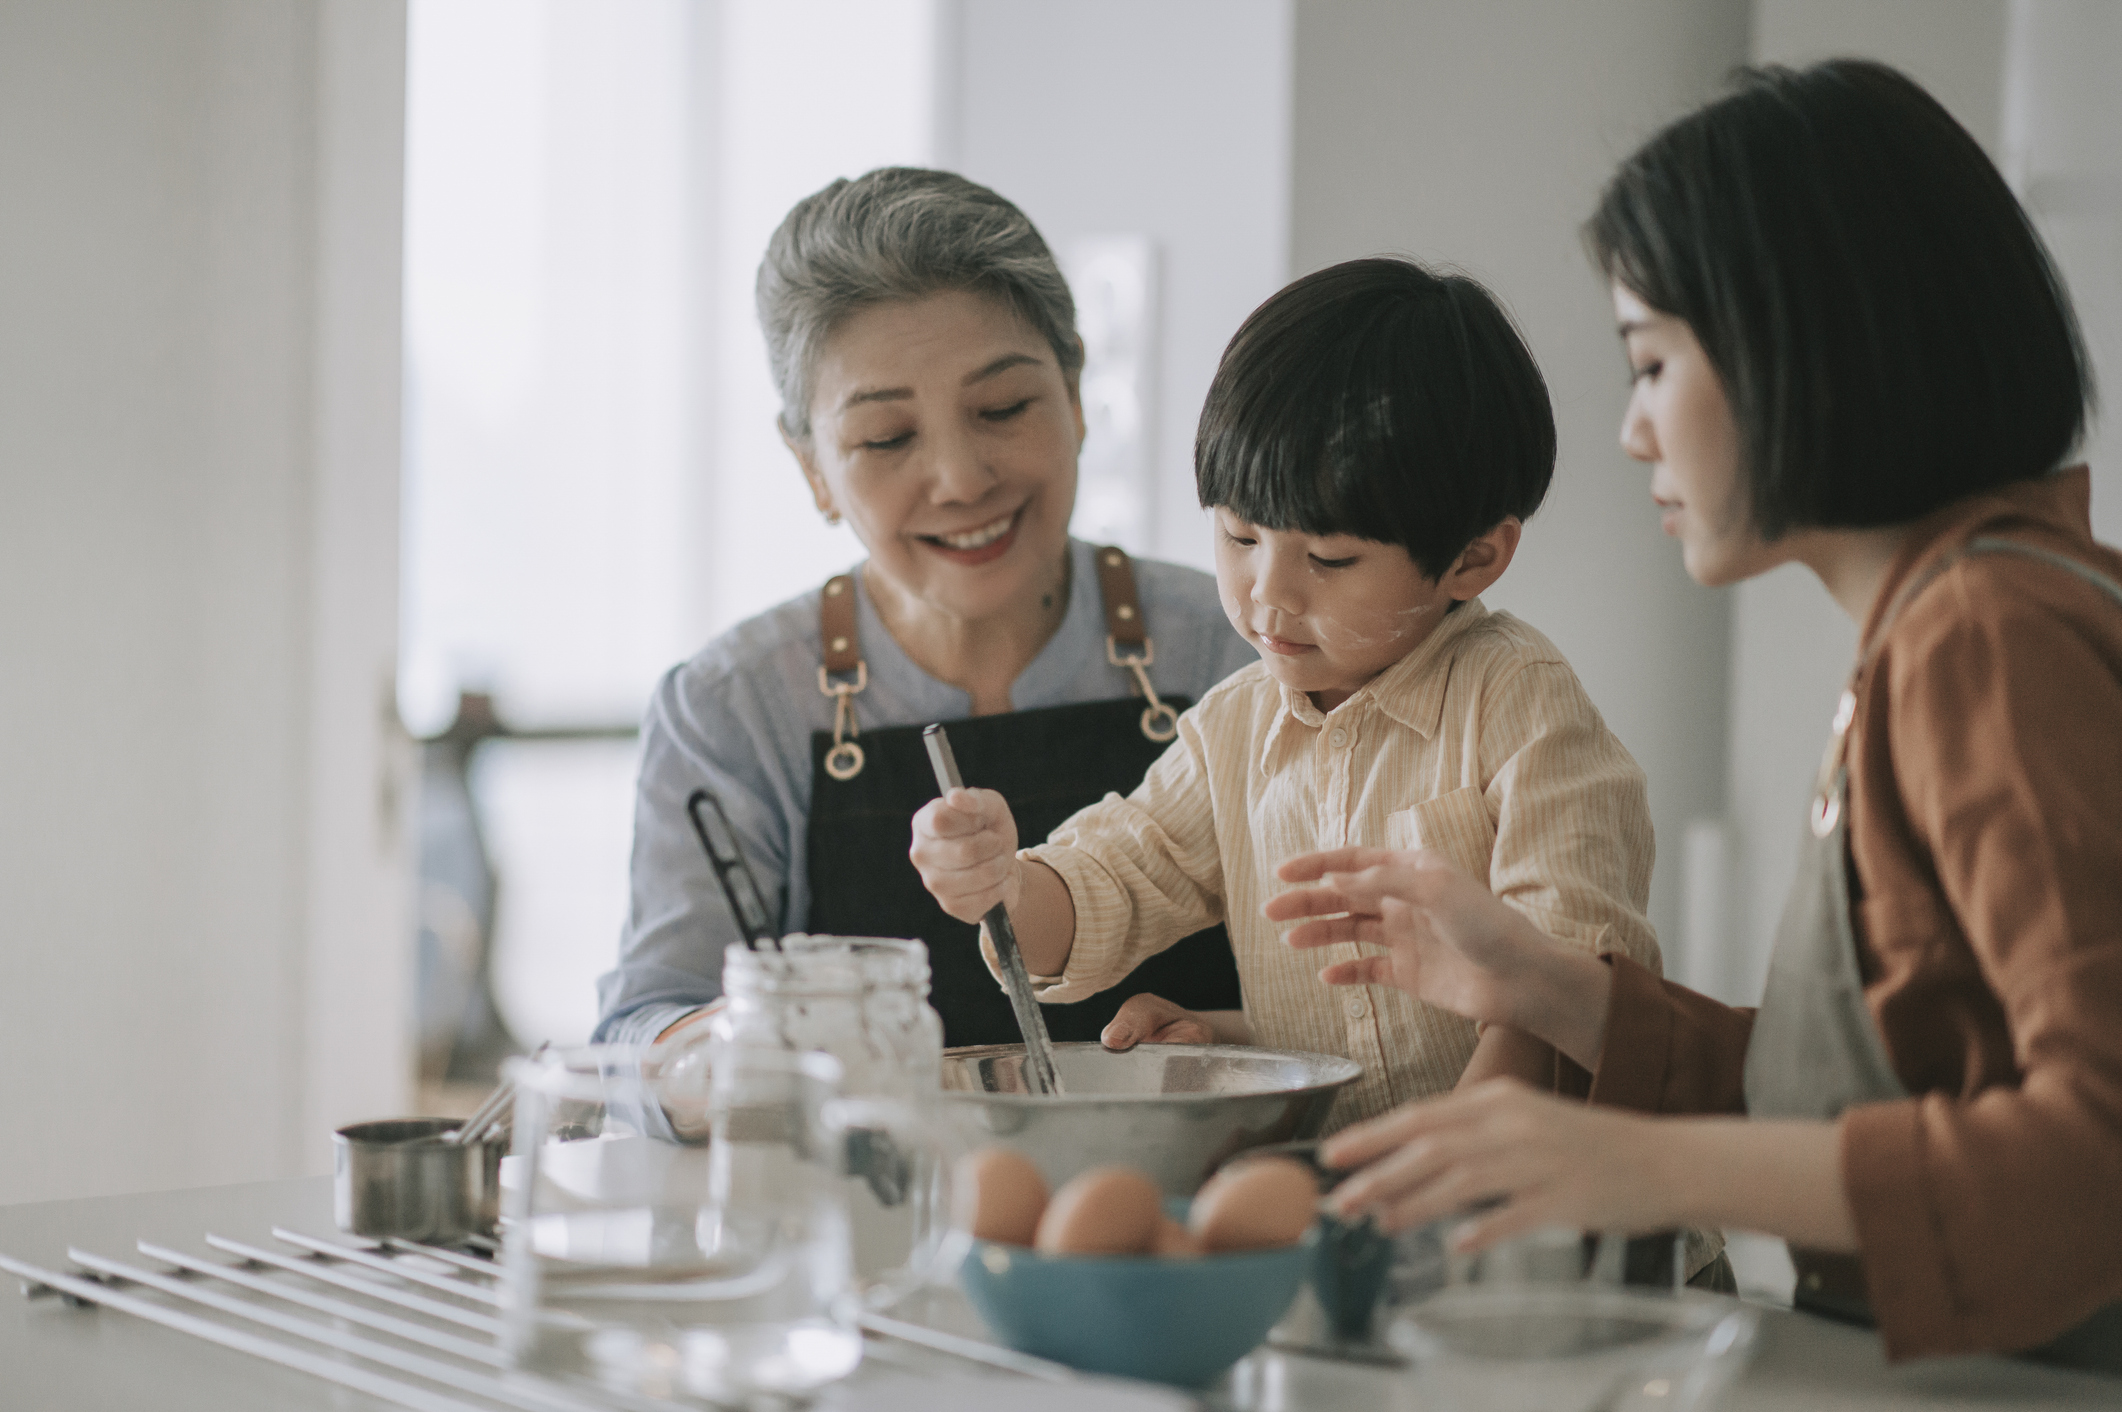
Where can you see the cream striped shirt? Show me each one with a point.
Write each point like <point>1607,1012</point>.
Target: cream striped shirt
<point>1480,743</point>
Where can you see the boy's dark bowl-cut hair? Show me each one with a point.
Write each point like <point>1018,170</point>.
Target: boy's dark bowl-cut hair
<point>1888,327</point>
<point>1383,400</point>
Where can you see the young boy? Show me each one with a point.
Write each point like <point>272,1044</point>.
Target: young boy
<point>1373,441</point>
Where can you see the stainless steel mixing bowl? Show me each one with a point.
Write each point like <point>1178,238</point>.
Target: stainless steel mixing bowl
<point>1173,1111</point>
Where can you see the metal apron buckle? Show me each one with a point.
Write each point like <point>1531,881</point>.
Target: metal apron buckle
<point>845,760</point>
<point>1159,721</point>
<point>1833,780</point>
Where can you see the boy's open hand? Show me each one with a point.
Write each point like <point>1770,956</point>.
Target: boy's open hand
<point>1449,941</point>
<point>965,848</point>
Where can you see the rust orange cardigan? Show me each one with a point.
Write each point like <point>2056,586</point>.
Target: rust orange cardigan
<point>1986,879</point>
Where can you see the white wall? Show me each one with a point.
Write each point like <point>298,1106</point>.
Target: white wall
<point>1479,136</point>
<point>1954,48</point>
<point>198,460</point>
<point>355,780</point>
<point>1171,120</point>
<point>795,93</point>
<point>2061,145</point>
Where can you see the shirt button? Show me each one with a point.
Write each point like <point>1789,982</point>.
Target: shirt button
<point>1339,738</point>
<point>1358,1007</point>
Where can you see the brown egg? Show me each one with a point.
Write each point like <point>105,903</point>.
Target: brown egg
<point>1255,1205</point>
<point>1173,1239</point>
<point>1105,1211</point>
<point>1000,1195</point>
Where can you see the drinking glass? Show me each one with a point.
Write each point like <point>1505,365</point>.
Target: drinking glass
<point>1545,1323</point>
<point>675,1222</point>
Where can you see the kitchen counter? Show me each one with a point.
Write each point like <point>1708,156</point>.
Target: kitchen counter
<point>54,1356</point>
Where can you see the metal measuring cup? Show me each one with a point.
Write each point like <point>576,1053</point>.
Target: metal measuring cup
<point>400,1177</point>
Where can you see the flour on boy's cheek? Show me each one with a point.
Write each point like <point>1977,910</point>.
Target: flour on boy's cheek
<point>1403,629</point>
<point>1326,613</point>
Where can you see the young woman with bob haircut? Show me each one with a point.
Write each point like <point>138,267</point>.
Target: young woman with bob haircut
<point>1850,351</point>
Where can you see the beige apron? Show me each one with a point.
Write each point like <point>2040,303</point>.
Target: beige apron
<point>1815,1049</point>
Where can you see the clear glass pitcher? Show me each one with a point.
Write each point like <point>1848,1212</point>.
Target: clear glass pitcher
<point>713,1265</point>
<point>864,1001</point>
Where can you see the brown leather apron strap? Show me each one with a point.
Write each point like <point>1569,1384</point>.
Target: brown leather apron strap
<point>1127,645</point>
<point>1116,586</point>
<point>1123,609</point>
<point>836,625</point>
<point>1127,642</point>
<point>843,655</point>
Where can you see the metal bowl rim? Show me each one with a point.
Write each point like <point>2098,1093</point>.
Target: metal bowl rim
<point>1324,1084</point>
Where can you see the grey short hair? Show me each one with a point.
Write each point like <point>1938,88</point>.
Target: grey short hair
<point>899,233</point>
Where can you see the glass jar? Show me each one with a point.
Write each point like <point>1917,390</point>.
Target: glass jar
<point>864,1001</point>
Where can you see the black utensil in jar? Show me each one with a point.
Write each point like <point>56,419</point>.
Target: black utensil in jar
<point>870,1155</point>
<point>726,856</point>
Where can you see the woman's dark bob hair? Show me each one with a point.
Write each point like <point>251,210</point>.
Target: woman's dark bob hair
<point>1888,326</point>
<point>1382,400</point>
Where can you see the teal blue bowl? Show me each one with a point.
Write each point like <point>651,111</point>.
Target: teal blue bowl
<point>1169,1319</point>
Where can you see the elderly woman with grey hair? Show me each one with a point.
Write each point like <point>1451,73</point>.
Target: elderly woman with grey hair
<point>924,343</point>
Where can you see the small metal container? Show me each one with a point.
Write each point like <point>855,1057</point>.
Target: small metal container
<point>1173,1111</point>
<point>397,1177</point>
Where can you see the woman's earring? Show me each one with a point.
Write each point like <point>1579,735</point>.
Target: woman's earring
<point>832,517</point>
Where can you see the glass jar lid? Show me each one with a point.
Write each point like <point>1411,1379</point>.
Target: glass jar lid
<point>827,965</point>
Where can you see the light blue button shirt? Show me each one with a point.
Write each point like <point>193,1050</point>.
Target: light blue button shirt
<point>738,719</point>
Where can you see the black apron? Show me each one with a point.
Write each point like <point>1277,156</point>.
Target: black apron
<point>1816,1049</point>
<point>1048,763</point>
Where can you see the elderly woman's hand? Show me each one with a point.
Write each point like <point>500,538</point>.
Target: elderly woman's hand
<point>965,848</point>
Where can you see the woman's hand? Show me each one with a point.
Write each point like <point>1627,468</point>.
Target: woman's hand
<point>1530,1160</point>
<point>1542,1161</point>
<point>1448,942</point>
<point>965,848</point>
<point>1151,1019</point>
